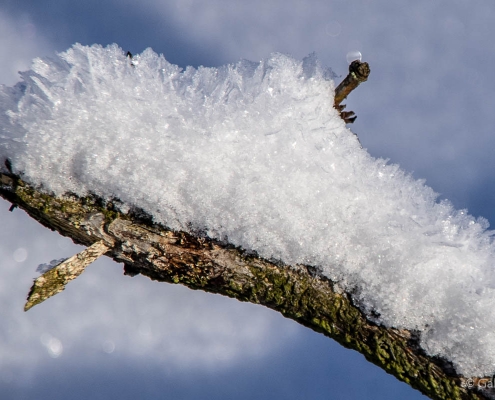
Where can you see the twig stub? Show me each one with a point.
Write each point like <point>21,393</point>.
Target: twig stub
<point>54,280</point>
<point>358,73</point>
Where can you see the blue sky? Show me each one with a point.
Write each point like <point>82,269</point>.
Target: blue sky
<point>427,106</point>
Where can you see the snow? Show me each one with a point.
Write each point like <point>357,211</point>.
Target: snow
<point>255,154</point>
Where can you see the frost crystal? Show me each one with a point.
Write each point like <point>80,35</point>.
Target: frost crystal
<point>256,153</point>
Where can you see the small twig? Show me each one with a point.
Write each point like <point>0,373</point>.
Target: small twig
<point>130,56</point>
<point>54,280</point>
<point>358,73</point>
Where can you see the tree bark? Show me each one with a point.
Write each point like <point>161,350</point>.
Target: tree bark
<point>298,292</point>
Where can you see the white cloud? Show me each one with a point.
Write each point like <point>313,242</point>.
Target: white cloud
<point>20,42</point>
<point>254,29</point>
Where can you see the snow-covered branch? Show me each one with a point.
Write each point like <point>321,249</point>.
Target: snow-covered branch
<point>237,166</point>
<point>299,292</point>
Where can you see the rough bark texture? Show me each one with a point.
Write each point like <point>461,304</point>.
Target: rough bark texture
<point>298,292</point>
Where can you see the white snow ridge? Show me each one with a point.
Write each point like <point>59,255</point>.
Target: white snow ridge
<point>255,153</point>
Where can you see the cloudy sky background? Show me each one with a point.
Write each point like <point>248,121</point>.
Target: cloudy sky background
<point>428,106</point>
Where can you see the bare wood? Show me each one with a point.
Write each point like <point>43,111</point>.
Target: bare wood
<point>54,280</point>
<point>298,292</point>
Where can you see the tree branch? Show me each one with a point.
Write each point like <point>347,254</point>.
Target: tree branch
<point>298,292</point>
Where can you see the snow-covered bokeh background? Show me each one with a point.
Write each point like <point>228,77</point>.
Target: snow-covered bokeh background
<point>427,106</point>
